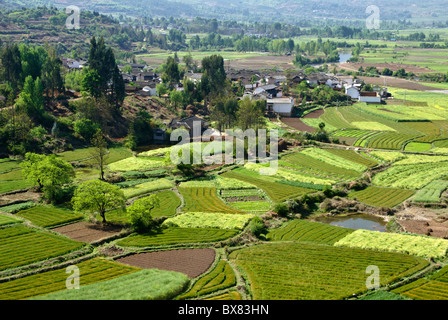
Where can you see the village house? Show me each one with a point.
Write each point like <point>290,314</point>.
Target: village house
<point>188,124</point>
<point>369,97</point>
<point>281,106</point>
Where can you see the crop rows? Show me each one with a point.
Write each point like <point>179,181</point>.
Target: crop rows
<point>431,192</point>
<point>147,187</point>
<point>45,217</point>
<point>137,164</point>
<point>170,236</point>
<point>149,284</point>
<point>381,197</point>
<point>353,156</point>
<point>91,271</point>
<point>227,193</point>
<point>5,220</point>
<point>221,277</point>
<point>389,140</point>
<point>424,289</point>
<point>204,200</point>
<point>298,271</point>
<point>411,176</point>
<point>251,206</point>
<point>20,246</point>
<point>308,231</point>
<point>327,156</point>
<point>300,161</point>
<point>421,246</point>
<point>275,191</point>
<point>351,133</point>
<point>208,220</point>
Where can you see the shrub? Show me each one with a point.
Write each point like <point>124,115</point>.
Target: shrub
<point>281,209</point>
<point>257,227</point>
<point>140,213</point>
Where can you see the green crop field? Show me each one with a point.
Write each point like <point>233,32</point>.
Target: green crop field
<point>5,220</point>
<point>309,231</point>
<point>426,247</point>
<point>275,191</point>
<point>411,176</point>
<point>208,220</point>
<point>204,200</point>
<point>20,245</point>
<point>221,277</point>
<point>137,164</point>
<point>389,140</point>
<point>431,192</point>
<point>46,216</point>
<point>353,156</point>
<point>151,284</point>
<point>417,147</point>
<point>302,162</point>
<point>335,159</point>
<point>148,187</point>
<point>91,271</point>
<point>170,236</point>
<point>381,197</point>
<point>251,206</point>
<point>306,271</point>
<point>430,288</point>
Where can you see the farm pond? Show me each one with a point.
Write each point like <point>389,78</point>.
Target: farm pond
<point>356,221</point>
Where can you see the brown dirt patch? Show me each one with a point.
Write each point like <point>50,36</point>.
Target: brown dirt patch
<point>426,221</point>
<point>192,262</point>
<point>88,232</point>
<point>298,124</point>
<point>390,111</point>
<point>315,114</point>
<point>20,196</point>
<point>430,228</point>
<point>263,62</point>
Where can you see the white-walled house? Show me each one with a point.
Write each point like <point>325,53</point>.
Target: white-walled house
<point>352,91</point>
<point>282,106</point>
<point>369,97</point>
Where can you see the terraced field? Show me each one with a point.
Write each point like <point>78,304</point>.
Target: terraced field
<point>221,277</point>
<point>94,270</point>
<point>204,200</point>
<point>381,197</point>
<point>20,245</point>
<point>5,220</point>
<point>275,191</point>
<point>313,271</point>
<point>431,192</point>
<point>170,236</point>
<point>308,231</point>
<point>45,216</point>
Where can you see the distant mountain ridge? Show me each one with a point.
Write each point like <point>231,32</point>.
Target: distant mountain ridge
<point>260,10</point>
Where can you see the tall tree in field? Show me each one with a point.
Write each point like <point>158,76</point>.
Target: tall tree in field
<point>171,75</point>
<point>100,152</point>
<point>96,196</point>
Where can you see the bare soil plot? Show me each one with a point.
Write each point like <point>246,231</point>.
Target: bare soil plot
<point>315,114</point>
<point>430,228</point>
<point>192,262</point>
<point>298,124</point>
<point>87,232</point>
<point>263,62</point>
<point>426,221</point>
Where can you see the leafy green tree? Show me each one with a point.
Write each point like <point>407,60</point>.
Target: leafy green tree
<point>96,196</point>
<point>51,72</point>
<point>12,65</point>
<point>86,128</point>
<point>91,83</point>
<point>140,213</point>
<point>100,151</point>
<point>31,98</point>
<point>48,172</point>
<point>171,75</point>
